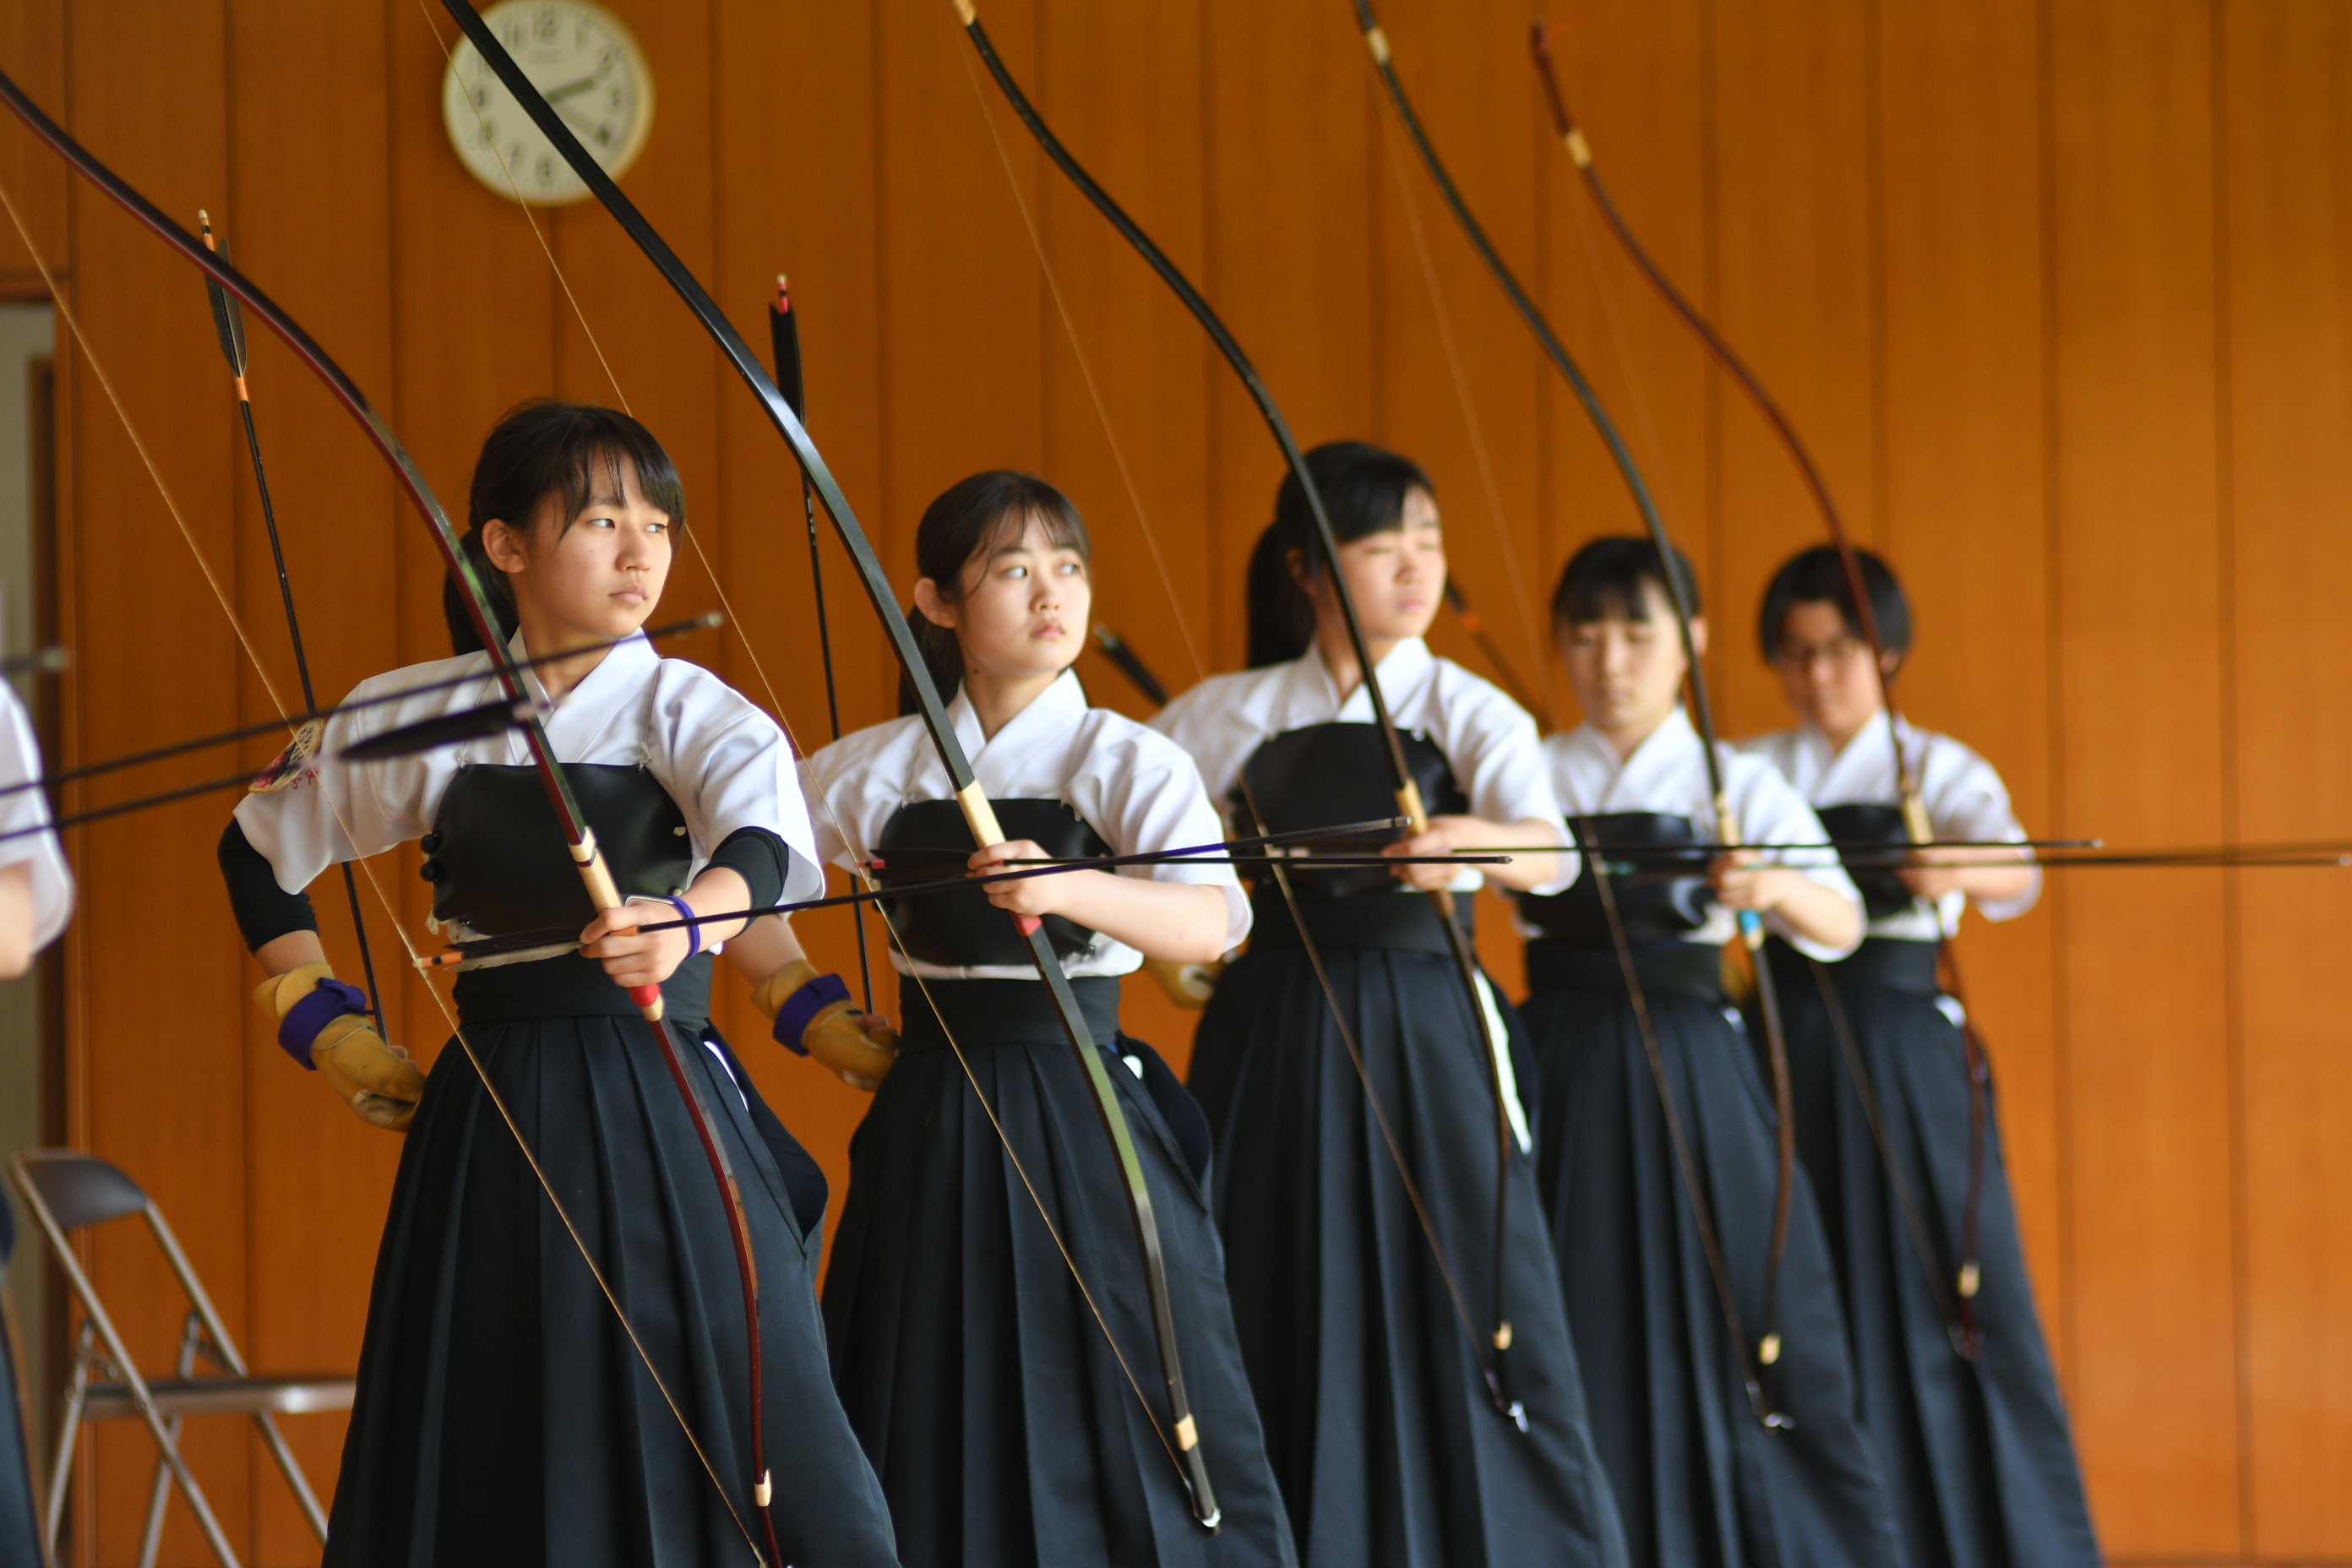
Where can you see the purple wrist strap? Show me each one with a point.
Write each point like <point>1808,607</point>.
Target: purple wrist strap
<point>328,1001</point>
<point>693,932</point>
<point>804,1004</point>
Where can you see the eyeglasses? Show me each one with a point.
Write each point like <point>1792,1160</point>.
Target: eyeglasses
<point>1836,652</point>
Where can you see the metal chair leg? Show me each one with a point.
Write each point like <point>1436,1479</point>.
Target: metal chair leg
<point>295,1479</point>
<point>158,1492</point>
<point>68,1429</point>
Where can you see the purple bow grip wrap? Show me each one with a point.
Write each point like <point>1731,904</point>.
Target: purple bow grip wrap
<point>793,1017</point>
<point>328,1001</point>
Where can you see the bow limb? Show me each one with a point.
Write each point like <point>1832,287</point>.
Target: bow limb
<point>1959,1298</point>
<point>1493,1358</point>
<point>580,839</point>
<point>977,812</point>
<point>1767,1347</point>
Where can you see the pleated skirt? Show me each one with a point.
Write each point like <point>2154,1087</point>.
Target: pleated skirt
<point>504,1416</point>
<point>1367,1371</point>
<point>1978,1458</point>
<point>992,1337</point>
<point>1698,1479</point>
<point>20,1514</point>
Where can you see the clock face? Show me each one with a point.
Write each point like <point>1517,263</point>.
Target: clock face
<point>584,63</point>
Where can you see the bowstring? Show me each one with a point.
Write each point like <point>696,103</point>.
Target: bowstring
<point>858,873</point>
<point>1497,514</point>
<point>236,625</point>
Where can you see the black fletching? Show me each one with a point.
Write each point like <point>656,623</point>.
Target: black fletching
<point>1114,648</point>
<point>450,730</point>
<point>228,319</point>
<point>785,341</point>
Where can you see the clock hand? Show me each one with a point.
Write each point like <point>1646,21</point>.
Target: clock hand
<point>568,88</point>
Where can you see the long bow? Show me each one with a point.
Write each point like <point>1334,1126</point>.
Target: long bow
<point>1765,1347</point>
<point>580,839</point>
<point>977,812</point>
<point>1955,1297</point>
<point>1493,1359</point>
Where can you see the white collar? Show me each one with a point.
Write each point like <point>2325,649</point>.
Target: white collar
<point>1406,666</point>
<point>1051,712</point>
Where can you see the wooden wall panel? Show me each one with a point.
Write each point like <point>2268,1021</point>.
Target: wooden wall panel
<point>306,208</point>
<point>2144,1024</point>
<point>2058,290</point>
<point>1637,78</point>
<point>1794,122</point>
<point>180,1117</point>
<point>2288,398</point>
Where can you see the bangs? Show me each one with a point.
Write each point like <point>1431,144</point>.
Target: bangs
<point>1610,577</point>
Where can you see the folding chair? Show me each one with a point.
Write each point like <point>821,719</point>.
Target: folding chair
<point>66,1191</point>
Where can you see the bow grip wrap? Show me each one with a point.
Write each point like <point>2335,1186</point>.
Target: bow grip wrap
<point>605,896</point>
<point>982,815</point>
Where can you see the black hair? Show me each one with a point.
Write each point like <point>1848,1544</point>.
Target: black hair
<point>1818,576</point>
<point>1606,577</point>
<point>1363,489</point>
<point>972,517</point>
<point>544,448</point>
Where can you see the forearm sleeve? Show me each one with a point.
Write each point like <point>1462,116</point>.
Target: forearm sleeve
<point>264,911</point>
<point>760,859</point>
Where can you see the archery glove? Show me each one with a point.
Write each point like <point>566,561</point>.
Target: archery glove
<point>1189,985</point>
<point>836,1033</point>
<point>376,1081</point>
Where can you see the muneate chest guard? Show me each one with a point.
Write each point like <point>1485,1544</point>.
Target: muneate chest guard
<point>1881,886</point>
<point>1323,774</point>
<point>496,859</point>
<point>929,840</point>
<point>1665,898</point>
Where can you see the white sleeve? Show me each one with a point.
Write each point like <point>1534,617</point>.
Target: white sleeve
<point>1969,801</point>
<point>1144,792</point>
<point>326,811</point>
<point>25,816</point>
<point>1770,811</point>
<point>729,770</point>
<point>1500,761</point>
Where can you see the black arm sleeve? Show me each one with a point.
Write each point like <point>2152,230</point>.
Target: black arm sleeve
<point>760,859</point>
<point>264,910</point>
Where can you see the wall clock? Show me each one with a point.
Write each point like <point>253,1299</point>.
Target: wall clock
<point>584,62</point>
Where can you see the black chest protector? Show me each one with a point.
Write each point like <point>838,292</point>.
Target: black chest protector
<point>495,856</point>
<point>1883,892</point>
<point>1326,774</point>
<point>928,841</point>
<point>1664,900</point>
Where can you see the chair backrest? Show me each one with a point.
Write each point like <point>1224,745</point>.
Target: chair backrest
<point>78,1189</point>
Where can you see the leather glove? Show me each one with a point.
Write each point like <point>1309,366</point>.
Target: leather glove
<point>836,1033</point>
<point>376,1081</point>
<point>1187,985</point>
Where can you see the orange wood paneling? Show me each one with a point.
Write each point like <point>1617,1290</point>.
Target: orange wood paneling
<point>2057,289</point>
<point>2288,291</point>
<point>2144,1024</point>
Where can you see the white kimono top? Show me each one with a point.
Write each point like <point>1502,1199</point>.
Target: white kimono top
<point>20,762</point>
<point>1667,772</point>
<point>723,761</point>
<point>1964,797</point>
<point>1488,740</point>
<point>1136,789</point>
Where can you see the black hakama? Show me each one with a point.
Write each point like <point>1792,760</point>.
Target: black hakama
<point>20,1513</point>
<point>1378,1417</point>
<point>1698,1477</point>
<point>1976,1459</point>
<point>504,1416</point>
<point>966,1346</point>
